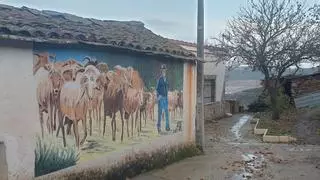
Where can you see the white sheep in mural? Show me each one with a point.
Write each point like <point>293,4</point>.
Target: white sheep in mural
<point>95,104</point>
<point>74,101</point>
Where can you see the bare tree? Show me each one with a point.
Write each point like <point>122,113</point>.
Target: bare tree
<point>315,13</point>
<point>270,36</point>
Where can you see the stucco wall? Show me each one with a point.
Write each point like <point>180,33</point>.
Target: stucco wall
<point>212,68</point>
<point>19,123</point>
<point>18,109</point>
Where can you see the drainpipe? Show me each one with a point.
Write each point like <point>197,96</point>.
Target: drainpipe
<point>200,78</point>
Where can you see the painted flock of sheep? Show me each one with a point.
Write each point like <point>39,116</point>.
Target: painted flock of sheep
<point>67,91</point>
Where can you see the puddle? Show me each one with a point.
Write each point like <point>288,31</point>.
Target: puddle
<point>253,164</point>
<point>296,149</point>
<point>236,128</point>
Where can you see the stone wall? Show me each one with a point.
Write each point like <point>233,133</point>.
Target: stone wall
<point>305,85</point>
<point>217,110</point>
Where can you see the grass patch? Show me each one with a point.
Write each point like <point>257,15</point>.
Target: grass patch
<point>315,114</point>
<point>282,127</point>
<point>50,157</point>
<point>138,163</point>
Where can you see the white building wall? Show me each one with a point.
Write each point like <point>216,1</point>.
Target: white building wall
<point>212,68</point>
<point>18,122</point>
<point>218,70</point>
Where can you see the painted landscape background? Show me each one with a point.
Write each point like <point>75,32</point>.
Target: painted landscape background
<point>97,144</point>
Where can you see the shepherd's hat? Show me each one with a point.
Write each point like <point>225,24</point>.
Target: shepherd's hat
<point>163,67</point>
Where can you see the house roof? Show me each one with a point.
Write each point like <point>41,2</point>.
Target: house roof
<point>301,76</point>
<point>210,49</point>
<point>49,26</point>
<point>297,76</point>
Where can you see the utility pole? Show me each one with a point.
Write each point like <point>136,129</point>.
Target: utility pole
<point>200,77</point>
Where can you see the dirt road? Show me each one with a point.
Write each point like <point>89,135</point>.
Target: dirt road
<point>233,152</point>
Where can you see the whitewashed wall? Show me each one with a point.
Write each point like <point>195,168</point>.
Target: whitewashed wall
<point>18,122</point>
<point>217,70</point>
<point>212,68</point>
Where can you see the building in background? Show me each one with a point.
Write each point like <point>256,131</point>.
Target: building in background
<point>214,72</point>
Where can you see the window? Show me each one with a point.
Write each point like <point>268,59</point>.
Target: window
<point>209,90</point>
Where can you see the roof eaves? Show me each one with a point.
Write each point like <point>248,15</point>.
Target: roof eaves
<point>71,42</point>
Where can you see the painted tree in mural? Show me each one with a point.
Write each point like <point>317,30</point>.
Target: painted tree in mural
<point>270,36</point>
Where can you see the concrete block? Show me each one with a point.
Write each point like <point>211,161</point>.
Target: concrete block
<point>284,139</point>
<point>273,139</point>
<point>292,139</point>
<point>254,120</point>
<point>259,131</point>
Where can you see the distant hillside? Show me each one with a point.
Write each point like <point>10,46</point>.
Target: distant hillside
<point>244,73</point>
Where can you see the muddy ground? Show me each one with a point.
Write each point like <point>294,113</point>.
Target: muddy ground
<point>233,152</point>
<point>307,128</point>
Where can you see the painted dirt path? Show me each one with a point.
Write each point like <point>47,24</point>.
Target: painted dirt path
<point>233,152</point>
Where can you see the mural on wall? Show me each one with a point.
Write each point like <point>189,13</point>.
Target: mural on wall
<point>98,102</point>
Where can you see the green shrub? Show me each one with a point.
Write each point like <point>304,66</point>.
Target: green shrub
<point>50,157</point>
<point>136,164</point>
<point>283,101</point>
<point>259,105</point>
<point>263,103</point>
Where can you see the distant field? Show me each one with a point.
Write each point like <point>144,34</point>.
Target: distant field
<point>245,91</point>
<point>235,86</point>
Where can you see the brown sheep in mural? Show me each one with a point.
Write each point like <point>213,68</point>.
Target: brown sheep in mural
<point>49,85</point>
<point>151,101</point>
<point>144,107</point>
<point>40,60</point>
<point>74,100</point>
<point>137,84</point>
<point>172,103</point>
<point>115,91</point>
<point>68,122</point>
<point>95,104</point>
<point>68,69</point>
<point>103,67</point>
<point>132,104</point>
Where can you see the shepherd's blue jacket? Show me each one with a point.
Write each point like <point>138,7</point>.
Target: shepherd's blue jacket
<point>162,87</point>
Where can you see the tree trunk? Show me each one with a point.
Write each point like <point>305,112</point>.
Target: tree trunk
<point>273,91</point>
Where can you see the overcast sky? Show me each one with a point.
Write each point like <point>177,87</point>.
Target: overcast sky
<point>170,18</point>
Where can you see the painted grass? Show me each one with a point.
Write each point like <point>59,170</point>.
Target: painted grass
<point>98,145</point>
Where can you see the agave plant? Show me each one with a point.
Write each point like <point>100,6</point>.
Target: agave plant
<point>51,156</point>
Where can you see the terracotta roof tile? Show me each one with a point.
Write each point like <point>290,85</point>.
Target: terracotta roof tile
<point>45,24</point>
